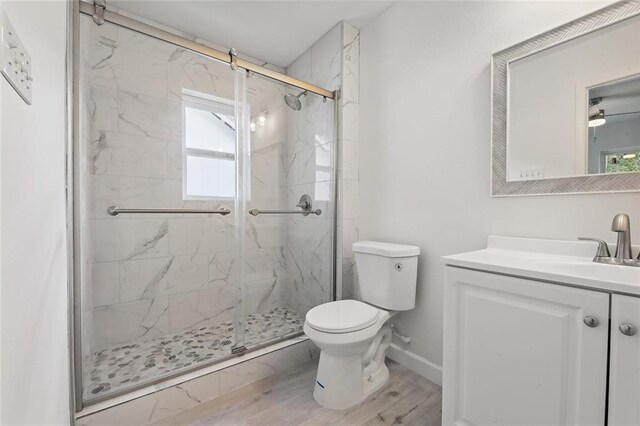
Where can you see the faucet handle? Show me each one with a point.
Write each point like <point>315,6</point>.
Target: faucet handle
<point>603,248</point>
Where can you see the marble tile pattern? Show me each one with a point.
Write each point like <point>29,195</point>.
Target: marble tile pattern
<point>348,168</point>
<point>309,165</point>
<point>87,294</point>
<point>151,275</point>
<point>332,62</point>
<point>124,365</point>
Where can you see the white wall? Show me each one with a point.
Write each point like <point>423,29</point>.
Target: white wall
<point>425,144</point>
<point>35,373</point>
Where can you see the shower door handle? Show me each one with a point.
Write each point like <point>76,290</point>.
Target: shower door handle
<point>305,204</point>
<point>115,211</point>
<point>257,212</point>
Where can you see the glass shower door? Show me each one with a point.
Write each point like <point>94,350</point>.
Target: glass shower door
<point>158,130</point>
<point>287,259</point>
<point>168,140</point>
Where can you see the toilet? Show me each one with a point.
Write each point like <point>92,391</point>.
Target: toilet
<point>353,335</point>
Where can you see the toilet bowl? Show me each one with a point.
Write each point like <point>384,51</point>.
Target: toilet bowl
<point>353,335</point>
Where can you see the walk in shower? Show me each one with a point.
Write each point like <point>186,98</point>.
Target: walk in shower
<point>203,208</point>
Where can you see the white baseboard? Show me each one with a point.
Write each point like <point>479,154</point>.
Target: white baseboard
<point>413,362</point>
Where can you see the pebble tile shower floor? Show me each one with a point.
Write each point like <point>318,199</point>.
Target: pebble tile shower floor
<point>124,365</point>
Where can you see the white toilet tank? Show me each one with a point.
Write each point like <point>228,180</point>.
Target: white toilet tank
<point>387,274</point>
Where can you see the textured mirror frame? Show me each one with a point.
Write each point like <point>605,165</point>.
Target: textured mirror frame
<point>500,186</point>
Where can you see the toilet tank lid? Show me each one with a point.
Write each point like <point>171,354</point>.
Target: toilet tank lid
<point>385,249</point>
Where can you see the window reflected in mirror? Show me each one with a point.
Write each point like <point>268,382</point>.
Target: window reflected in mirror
<point>614,127</point>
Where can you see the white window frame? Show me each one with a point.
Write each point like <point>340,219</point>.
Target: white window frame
<point>215,105</point>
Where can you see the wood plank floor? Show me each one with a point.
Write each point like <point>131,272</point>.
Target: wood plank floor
<point>287,399</point>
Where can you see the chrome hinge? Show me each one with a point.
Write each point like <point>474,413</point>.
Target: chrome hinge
<point>239,350</point>
<point>99,6</point>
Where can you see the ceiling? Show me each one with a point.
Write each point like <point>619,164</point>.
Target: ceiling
<point>276,32</point>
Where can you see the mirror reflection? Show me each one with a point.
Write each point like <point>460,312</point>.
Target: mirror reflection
<point>614,127</point>
<point>574,109</point>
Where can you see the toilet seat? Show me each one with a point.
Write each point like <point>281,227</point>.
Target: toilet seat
<point>342,316</point>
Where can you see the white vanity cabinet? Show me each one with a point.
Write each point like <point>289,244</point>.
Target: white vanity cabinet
<point>522,352</point>
<point>536,333</point>
<point>624,370</point>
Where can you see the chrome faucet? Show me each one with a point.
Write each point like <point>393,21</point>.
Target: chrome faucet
<point>621,225</point>
<point>623,255</point>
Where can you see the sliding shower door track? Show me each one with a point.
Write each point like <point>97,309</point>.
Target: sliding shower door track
<point>227,57</point>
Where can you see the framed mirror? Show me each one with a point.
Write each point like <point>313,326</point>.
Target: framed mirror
<point>566,108</point>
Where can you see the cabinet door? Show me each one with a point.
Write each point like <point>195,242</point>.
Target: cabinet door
<point>624,362</point>
<point>518,352</point>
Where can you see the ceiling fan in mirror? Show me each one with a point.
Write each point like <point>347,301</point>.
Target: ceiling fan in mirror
<point>597,116</point>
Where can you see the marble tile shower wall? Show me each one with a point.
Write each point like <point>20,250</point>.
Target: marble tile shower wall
<point>332,62</point>
<point>348,169</point>
<point>85,242</point>
<point>153,275</point>
<point>265,273</point>
<point>310,144</point>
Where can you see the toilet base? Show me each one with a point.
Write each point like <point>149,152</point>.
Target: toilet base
<point>340,383</point>
<point>374,382</point>
<point>351,365</point>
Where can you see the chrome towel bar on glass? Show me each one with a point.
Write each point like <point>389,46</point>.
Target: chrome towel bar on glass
<point>305,205</point>
<point>256,212</point>
<point>114,211</point>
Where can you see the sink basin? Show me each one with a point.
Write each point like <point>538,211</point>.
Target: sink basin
<point>588,268</point>
<point>567,262</point>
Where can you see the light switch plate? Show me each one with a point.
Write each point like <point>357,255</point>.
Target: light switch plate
<point>16,61</point>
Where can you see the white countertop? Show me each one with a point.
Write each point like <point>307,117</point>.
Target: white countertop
<point>563,262</point>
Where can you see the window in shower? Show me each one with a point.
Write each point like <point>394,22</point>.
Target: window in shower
<point>209,157</point>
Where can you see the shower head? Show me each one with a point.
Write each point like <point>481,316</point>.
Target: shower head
<point>294,100</point>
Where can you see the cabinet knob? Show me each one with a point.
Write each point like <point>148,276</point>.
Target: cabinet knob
<point>627,329</point>
<point>592,322</point>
